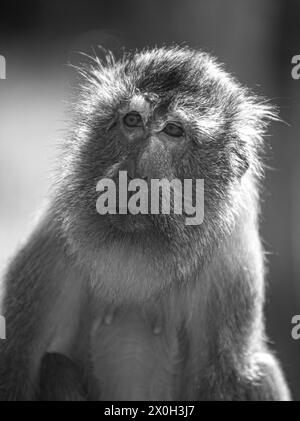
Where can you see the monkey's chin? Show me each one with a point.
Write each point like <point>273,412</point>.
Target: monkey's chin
<point>130,223</point>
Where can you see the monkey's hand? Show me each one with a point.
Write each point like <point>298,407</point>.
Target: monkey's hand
<point>262,381</point>
<point>60,379</point>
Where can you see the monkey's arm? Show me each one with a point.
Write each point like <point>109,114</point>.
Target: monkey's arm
<point>240,365</point>
<point>42,300</point>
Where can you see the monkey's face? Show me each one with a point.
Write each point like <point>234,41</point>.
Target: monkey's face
<point>161,114</point>
<point>150,142</point>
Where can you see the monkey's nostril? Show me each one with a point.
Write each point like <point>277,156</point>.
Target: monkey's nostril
<point>130,167</point>
<point>133,170</point>
<point>142,174</point>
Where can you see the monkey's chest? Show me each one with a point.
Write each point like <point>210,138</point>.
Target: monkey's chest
<point>134,359</point>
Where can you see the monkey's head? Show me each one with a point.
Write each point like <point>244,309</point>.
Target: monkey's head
<point>169,113</point>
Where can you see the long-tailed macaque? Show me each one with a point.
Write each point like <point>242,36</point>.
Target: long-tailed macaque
<point>143,306</point>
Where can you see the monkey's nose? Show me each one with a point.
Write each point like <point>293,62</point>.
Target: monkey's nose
<point>131,168</point>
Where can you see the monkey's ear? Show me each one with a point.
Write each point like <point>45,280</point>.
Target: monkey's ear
<point>252,121</point>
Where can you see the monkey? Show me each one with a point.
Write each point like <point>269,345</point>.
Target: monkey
<point>143,306</point>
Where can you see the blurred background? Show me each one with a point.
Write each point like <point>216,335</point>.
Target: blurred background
<point>256,39</point>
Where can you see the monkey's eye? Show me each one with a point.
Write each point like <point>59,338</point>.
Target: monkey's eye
<point>133,120</point>
<point>174,130</point>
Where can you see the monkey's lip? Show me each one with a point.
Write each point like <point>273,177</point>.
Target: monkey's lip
<point>122,211</point>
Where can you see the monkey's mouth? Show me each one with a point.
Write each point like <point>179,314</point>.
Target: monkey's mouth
<point>138,203</point>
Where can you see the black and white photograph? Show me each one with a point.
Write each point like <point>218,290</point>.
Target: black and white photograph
<point>150,203</point>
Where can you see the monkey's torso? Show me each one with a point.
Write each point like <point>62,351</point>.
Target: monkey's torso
<point>135,360</point>
<point>183,344</point>
<point>132,350</point>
